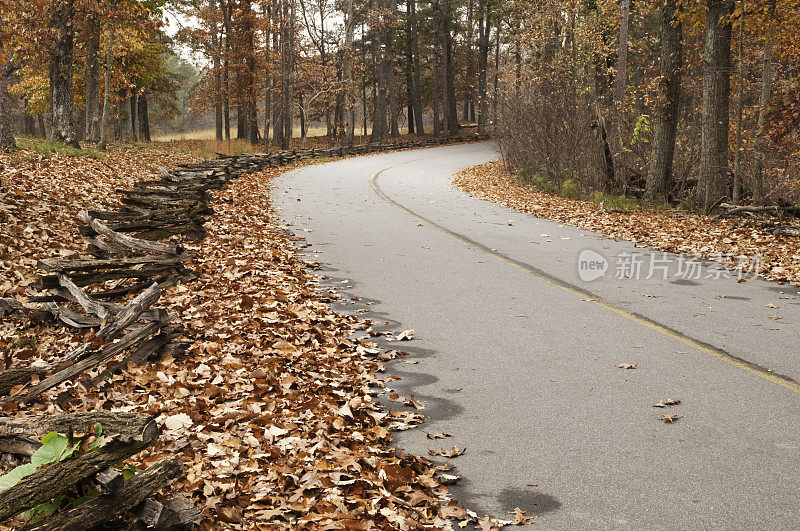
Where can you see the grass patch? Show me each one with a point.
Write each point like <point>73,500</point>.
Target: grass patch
<point>46,148</point>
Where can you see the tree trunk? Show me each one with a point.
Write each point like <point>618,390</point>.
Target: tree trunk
<point>620,86</point>
<point>6,133</point>
<point>390,80</point>
<point>450,107</point>
<point>62,25</point>
<point>144,119</point>
<point>92,75</point>
<point>417,72</point>
<point>737,153</point>
<point>379,131</point>
<point>665,123</point>
<point>217,51</point>
<point>267,77</point>
<point>278,45</point>
<point>715,121</point>
<point>469,84</point>
<point>123,115</point>
<point>287,69</point>
<point>226,104</point>
<point>107,90</point>
<point>134,116</point>
<point>766,94</point>
<point>484,27</point>
<point>347,74</point>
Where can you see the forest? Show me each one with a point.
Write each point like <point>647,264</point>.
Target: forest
<point>693,102</point>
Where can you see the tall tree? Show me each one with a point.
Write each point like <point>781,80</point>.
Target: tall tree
<point>449,102</point>
<point>379,126</point>
<point>92,76</point>
<point>216,52</point>
<point>737,150</point>
<point>484,30</point>
<point>61,99</point>
<point>416,81</point>
<point>715,122</point>
<point>107,89</point>
<point>766,95</point>
<point>665,125</point>
<point>347,71</point>
<point>6,133</point>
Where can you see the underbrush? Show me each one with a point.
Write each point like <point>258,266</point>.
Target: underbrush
<point>47,148</point>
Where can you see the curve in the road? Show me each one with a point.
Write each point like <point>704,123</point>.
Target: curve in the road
<point>758,370</point>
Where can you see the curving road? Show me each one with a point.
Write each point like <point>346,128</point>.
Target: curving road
<point>516,351</point>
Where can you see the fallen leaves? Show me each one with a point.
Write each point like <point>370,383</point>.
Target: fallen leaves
<point>669,419</point>
<point>626,366</point>
<point>678,232</point>
<point>667,402</point>
<point>405,335</point>
<point>273,411</point>
<point>455,451</point>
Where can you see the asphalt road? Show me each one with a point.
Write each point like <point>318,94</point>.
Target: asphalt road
<point>516,353</point>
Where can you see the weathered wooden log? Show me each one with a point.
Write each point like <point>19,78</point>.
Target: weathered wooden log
<point>11,378</point>
<point>9,306</point>
<point>86,279</point>
<point>70,318</point>
<point>125,426</point>
<point>127,241</point>
<point>58,265</point>
<point>48,482</point>
<point>110,480</point>
<point>731,210</point>
<point>108,507</point>
<point>131,339</point>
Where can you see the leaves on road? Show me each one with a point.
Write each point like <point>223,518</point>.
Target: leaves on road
<point>455,451</point>
<point>667,402</point>
<point>626,366</point>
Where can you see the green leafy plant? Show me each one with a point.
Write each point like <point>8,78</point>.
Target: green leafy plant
<point>55,449</point>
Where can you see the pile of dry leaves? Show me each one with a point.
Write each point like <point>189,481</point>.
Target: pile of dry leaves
<point>673,231</point>
<point>274,410</point>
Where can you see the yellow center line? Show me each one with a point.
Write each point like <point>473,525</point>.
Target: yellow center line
<point>752,368</point>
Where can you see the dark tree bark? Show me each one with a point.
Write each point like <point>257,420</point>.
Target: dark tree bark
<point>6,133</point>
<point>379,125</point>
<point>715,121</point>
<point>134,116</point>
<point>63,127</point>
<point>665,123</point>
<point>92,75</point>
<point>144,119</point>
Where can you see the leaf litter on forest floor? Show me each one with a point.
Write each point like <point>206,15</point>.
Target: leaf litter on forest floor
<point>671,231</point>
<point>273,411</point>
